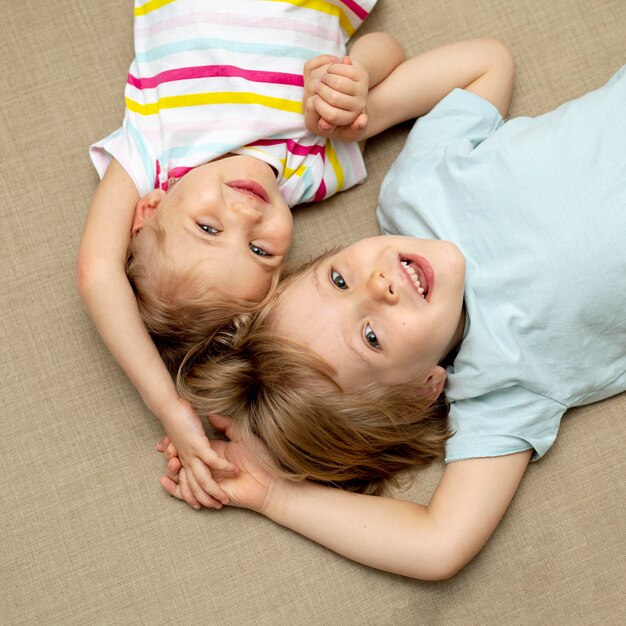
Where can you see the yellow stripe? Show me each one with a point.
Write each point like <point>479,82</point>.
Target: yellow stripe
<point>150,6</point>
<point>289,172</point>
<point>198,99</point>
<point>331,155</point>
<point>323,7</point>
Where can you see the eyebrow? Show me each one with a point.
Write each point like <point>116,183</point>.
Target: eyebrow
<point>346,335</point>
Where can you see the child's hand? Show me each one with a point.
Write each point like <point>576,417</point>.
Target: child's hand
<point>198,458</point>
<point>250,488</point>
<point>314,69</point>
<point>336,98</point>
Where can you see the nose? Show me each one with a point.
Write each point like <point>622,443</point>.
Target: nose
<point>246,212</point>
<point>381,288</point>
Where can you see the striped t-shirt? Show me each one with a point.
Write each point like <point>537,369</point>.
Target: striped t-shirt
<point>211,78</point>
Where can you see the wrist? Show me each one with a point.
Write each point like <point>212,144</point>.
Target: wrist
<point>281,496</point>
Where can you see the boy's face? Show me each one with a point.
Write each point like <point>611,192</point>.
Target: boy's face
<point>230,219</point>
<point>362,311</point>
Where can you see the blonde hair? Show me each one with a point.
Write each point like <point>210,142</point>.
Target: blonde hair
<point>285,395</point>
<point>178,307</point>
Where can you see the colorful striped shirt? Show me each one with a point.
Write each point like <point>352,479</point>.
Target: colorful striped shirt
<point>213,78</point>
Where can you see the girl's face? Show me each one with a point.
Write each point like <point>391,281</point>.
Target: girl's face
<point>386,309</point>
<point>229,218</point>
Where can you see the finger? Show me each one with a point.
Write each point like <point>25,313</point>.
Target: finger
<point>170,452</point>
<point>325,126</point>
<point>335,98</point>
<point>331,114</point>
<point>319,61</point>
<point>204,485</point>
<point>201,494</point>
<point>162,443</point>
<point>360,122</point>
<point>186,492</point>
<point>171,487</point>
<point>172,469</point>
<point>342,84</point>
<point>215,461</point>
<point>353,72</point>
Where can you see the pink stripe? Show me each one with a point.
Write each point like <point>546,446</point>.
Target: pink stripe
<point>292,146</point>
<point>215,71</point>
<point>320,194</point>
<point>179,172</point>
<point>225,19</point>
<point>194,125</point>
<point>359,11</point>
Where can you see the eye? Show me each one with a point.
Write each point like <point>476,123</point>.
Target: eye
<point>338,280</point>
<point>259,251</point>
<point>370,337</point>
<point>210,230</point>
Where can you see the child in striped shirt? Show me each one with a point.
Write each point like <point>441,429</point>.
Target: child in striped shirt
<point>233,115</point>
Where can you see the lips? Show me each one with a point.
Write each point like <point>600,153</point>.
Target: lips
<point>249,187</point>
<point>419,273</point>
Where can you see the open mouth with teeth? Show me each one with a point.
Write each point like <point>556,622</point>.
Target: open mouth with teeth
<point>417,276</point>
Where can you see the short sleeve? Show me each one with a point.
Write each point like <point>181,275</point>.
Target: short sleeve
<point>503,422</point>
<point>461,116</point>
<point>126,146</point>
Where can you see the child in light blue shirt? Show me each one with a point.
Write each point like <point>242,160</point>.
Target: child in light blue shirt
<point>538,208</point>
<point>502,270</point>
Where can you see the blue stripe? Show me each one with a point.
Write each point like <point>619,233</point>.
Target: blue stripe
<point>180,152</point>
<point>307,183</point>
<point>190,45</point>
<point>142,149</point>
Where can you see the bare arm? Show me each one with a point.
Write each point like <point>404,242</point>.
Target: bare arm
<point>428,542</point>
<point>483,66</point>
<point>111,303</point>
<point>335,90</point>
<point>107,294</point>
<point>379,54</point>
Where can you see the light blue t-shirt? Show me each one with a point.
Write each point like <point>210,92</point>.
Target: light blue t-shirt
<point>538,208</point>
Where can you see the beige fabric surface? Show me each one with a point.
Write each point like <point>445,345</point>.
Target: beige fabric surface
<point>87,536</point>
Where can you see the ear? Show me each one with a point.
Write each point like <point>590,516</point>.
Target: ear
<point>435,381</point>
<point>145,208</point>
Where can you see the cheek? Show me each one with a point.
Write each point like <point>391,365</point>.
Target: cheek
<point>254,286</point>
<point>282,233</point>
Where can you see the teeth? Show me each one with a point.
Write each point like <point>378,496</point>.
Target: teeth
<point>413,276</point>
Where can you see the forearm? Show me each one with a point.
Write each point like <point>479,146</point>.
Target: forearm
<point>107,294</point>
<point>379,54</point>
<point>483,66</point>
<point>398,536</point>
<point>111,303</point>
<point>392,535</point>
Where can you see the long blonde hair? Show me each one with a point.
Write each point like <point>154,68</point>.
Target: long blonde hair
<point>285,395</point>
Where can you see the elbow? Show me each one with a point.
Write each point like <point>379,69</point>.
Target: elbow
<point>448,558</point>
<point>85,275</point>
<point>503,58</point>
<point>448,567</point>
<point>91,274</point>
<point>395,50</point>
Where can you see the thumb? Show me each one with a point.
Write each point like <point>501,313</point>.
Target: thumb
<point>223,423</point>
<point>325,126</point>
<point>360,122</point>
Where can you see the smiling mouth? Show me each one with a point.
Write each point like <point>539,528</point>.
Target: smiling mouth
<point>420,274</point>
<point>250,188</point>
